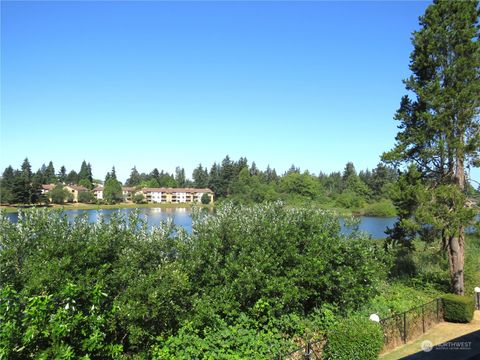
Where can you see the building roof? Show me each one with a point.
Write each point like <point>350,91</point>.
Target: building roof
<point>77,187</point>
<point>98,188</point>
<point>48,186</point>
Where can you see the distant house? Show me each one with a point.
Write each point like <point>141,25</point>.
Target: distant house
<point>75,190</point>
<point>175,195</point>
<point>47,187</point>
<point>128,193</point>
<point>98,192</point>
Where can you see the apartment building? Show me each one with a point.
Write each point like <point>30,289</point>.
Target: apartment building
<point>175,195</point>
<point>162,195</point>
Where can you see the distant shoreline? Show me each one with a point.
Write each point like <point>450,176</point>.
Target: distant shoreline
<point>77,206</point>
<point>342,212</point>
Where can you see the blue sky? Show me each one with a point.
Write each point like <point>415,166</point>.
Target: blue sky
<point>161,84</point>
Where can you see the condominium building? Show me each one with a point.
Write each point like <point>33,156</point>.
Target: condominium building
<point>162,195</point>
<point>176,195</point>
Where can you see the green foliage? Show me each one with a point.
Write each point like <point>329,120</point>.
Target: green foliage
<point>86,184</point>
<point>242,340</point>
<point>295,258</point>
<point>86,197</point>
<point>59,194</point>
<point>205,199</point>
<point>70,325</point>
<point>138,198</point>
<point>398,296</point>
<point>50,263</point>
<point>301,184</point>
<point>245,281</point>
<point>382,208</point>
<point>472,261</point>
<point>354,338</point>
<point>350,200</point>
<point>112,192</point>
<point>439,128</point>
<point>458,308</point>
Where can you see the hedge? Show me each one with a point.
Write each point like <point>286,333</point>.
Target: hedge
<point>354,338</point>
<point>458,308</point>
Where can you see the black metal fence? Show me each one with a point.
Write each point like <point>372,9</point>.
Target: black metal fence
<point>311,351</point>
<point>405,326</point>
<point>397,329</point>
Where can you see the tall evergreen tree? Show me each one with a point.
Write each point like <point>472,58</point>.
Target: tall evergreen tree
<point>27,170</point>
<point>439,128</point>
<point>62,174</point>
<point>85,175</point>
<point>50,177</point>
<point>6,185</point>
<point>200,177</point>
<point>72,177</point>
<point>180,177</point>
<point>215,180</point>
<point>134,179</point>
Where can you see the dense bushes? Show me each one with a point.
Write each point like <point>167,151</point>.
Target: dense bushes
<point>241,284</point>
<point>458,308</point>
<point>294,259</point>
<point>382,208</point>
<point>354,338</point>
<point>134,269</point>
<point>71,324</point>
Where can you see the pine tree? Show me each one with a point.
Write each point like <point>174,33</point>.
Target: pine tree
<point>200,177</point>
<point>180,176</point>
<point>134,179</point>
<point>439,128</point>
<point>62,174</point>
<point>27,170</point>
<point>50,174</point>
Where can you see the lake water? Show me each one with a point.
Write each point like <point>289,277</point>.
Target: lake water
<point>374,226</point>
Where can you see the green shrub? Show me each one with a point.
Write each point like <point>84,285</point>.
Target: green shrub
<point>138,199</point>
<point>458,308</point>
<point>86,197</point>
<point>296,258</point>
<point>205,199</point>
<point>354,338</point>
<point>382,208</point>
<point>350,200</point>
<point>240,340</point>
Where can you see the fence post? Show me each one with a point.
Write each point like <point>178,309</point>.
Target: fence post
<point>307,354</point>
<point>438,310</point>
<point>405,327</point>
<point>423,319</point>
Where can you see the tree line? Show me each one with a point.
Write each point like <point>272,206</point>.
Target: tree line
<point>237,180</point>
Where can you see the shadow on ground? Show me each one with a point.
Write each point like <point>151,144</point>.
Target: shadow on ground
<point>466,347</point>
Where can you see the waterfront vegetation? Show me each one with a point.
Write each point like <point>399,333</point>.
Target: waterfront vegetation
<point>249,282</point>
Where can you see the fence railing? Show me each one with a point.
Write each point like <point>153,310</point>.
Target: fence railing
<point>398,329</point>
<point>405,326</point>
<point>311,351</point>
